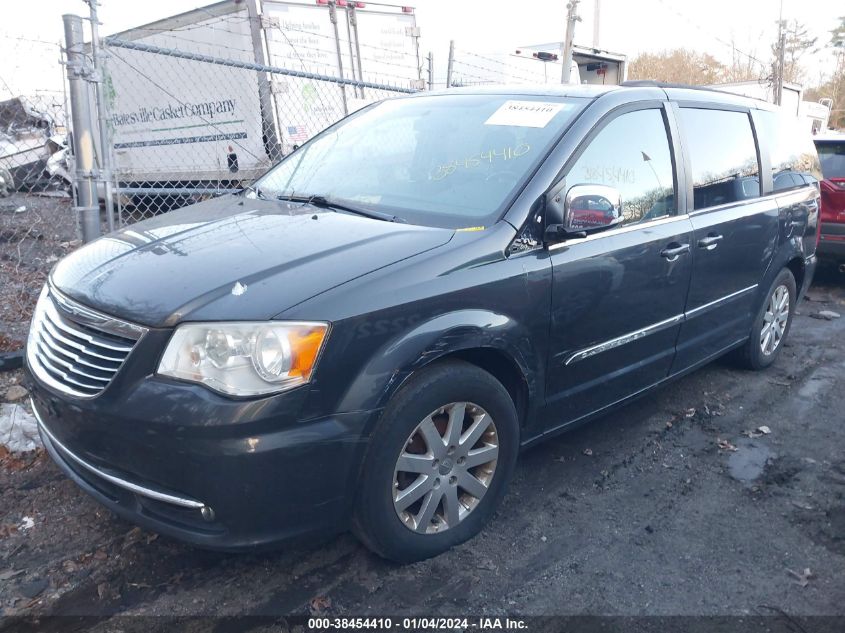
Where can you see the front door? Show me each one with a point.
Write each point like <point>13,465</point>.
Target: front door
<point>618,296</point>
<point>735,232</point>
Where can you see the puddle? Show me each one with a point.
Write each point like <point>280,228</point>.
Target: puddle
<point>749,461</point>
<point>813,387</point>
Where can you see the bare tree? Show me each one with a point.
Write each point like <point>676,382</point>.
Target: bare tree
<point>797,43</point>
<point>745,66</point>
<point>834,86</point>
<point>679,65</point>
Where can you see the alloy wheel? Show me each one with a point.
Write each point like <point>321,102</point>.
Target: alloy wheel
<point>775,320</point>
<point>445,467</point>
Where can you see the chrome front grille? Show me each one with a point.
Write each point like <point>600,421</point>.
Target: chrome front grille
<point>75,349</point>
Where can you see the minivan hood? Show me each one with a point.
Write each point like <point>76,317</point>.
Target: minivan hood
<point>232,258</point>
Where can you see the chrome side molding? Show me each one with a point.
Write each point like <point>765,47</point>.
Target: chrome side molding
<point>722,300</point>
<point>622,340</point>
<point>630,337</point>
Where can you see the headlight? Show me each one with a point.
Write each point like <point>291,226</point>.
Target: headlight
<point>244,359</point>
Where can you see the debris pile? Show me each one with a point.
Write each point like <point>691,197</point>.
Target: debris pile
<point>18,429</point>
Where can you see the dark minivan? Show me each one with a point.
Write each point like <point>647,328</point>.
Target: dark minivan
<point>367,336</point>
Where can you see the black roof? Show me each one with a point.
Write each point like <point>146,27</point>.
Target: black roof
<point>683,92</point>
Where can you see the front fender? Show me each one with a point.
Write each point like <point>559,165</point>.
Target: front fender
<point>391,365</point>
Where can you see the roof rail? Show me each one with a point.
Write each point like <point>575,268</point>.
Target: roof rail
<point>651,83</point>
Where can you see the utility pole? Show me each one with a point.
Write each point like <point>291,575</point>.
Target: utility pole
<point>105,163</point>
<point>780,58</point>
<point>781,53</point>
<point>78,73</point>
<point>566,45</point>
<point>449,63</point>
<point>596,21</point>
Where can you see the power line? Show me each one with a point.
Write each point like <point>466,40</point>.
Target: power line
<point>715,37</point>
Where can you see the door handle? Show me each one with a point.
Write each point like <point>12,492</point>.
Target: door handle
<point>671,253</point>
<point>710,242</point>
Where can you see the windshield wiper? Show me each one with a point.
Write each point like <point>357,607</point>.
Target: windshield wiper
<point>330,203</point>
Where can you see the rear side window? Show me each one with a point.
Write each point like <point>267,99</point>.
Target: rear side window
<point>631,154</point>
<point>723,156</point>
<point>791,151</point>
<point>832,156</point>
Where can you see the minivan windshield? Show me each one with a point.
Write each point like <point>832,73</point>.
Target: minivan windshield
<point>452,161</point>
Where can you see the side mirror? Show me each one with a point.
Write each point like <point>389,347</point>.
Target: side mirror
<point>591,208</point>
<point>584,209</point>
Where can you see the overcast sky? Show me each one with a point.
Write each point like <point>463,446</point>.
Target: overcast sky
<point>487,26</point>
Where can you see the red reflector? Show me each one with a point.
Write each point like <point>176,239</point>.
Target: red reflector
<point>340,3</point>
<point>407,9</point>
<point>360,5</point>
<point>322,2</point>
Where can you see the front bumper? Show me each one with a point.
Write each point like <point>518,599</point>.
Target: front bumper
<point>232,476</point>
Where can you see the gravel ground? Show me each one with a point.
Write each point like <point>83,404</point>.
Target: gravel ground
<point>674,505</point>
<point>35,231</point>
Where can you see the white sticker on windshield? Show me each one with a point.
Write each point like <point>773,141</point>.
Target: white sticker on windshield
<point>526,113</point>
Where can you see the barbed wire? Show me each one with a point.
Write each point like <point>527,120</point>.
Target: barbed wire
<point>348,41</point>
<point>511,69</point>
<point>331,38</point>
<point>284,32</point>
<point>195,26</point>
<point>5,35</point>
<point>508,65</point>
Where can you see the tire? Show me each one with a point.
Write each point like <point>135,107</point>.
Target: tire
<point>444,513</point>
<point>752,355</point>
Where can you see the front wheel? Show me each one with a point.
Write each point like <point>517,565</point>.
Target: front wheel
<point>438,463</point>
<point>771,324</point>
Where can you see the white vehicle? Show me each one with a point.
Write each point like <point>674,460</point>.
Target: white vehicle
<point>594,66</point>
<point>816,114</point>
<point>178,122</point>
<point>24,149</point>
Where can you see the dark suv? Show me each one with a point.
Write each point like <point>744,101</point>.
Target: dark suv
<point>369,335</point>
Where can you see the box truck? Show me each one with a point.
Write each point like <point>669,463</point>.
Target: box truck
<point>180,119</point>
<point>592,65</point>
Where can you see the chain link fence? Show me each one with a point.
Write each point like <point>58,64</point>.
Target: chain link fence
<point>36,221</point>
<point>33,124</point>
<point>178,137</point>
<point>203,103</point>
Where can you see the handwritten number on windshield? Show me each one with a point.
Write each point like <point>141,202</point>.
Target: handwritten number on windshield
<point>477,159</point>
